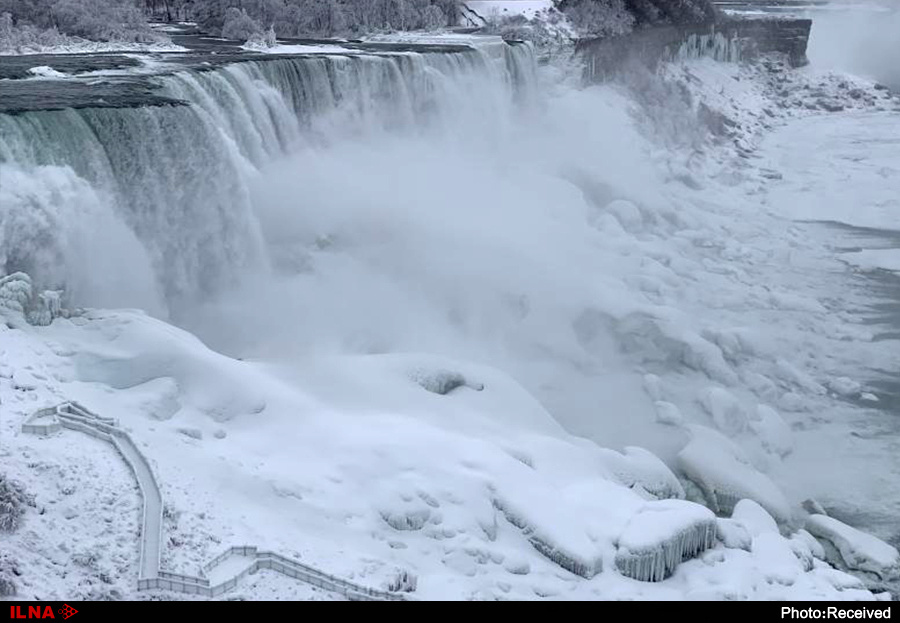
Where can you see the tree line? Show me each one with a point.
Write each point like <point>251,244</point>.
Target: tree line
<point>111,20</point>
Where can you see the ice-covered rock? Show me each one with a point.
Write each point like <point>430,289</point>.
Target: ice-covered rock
<point>582,525</point>
<point>559,543</point>
<point>843,386</point>
<point>858,551</point>
<point>803,550</point>
<point>813,507</point>
<point>442,382</point>
<point>754,518</point>
<point>773,432</point>
<point>641,469</point>
<point>733,534</point>
<point>652,385</point>
<point>725,410</point>
<point>668,413</point>
<point>628,215</point>
<point>663,535</point>
<point>725,475</point>
<point>809,541</point>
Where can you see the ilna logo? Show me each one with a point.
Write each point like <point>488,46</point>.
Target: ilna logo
<point>38,612</point>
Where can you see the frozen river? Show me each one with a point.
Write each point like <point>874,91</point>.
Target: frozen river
<point>841,178</point>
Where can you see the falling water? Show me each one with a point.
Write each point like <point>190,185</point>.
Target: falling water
<point>154,200</point>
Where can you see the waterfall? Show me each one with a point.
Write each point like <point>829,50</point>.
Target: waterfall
<point>171,182</point>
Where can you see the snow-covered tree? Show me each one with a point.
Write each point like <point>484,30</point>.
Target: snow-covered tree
<point>13,501</point>
<point>592,14</point>
<point>293,18</point>
<point>671,11</point>
<point>599,18</point>
<point>240,26</point>
<point>99,20</point>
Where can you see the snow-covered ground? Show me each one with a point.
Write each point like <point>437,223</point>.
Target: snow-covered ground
<point>495,386</point>
<point>83,46</point>
<point>493,9</point>
<point>283,48</point>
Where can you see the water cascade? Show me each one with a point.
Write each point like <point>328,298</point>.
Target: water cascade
<point>155,198</point>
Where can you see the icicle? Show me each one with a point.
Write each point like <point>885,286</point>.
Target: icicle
<point>655,561</point>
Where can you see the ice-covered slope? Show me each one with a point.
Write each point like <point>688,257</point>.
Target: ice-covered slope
<point>352,466</point>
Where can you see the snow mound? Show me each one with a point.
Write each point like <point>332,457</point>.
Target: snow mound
<point>725,475</point>
<point>858,551</point>
<point>777,558</point>
<point>662,536</point>
<point>138,349</point>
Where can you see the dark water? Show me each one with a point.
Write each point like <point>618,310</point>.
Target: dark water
<point>884,312</point>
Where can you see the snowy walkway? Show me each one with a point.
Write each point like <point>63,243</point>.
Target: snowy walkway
<point>218,576</point>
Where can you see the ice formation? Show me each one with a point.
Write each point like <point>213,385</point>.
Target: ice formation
<point>716,46</point>
<point>18,300</point>
<point>663,535</point>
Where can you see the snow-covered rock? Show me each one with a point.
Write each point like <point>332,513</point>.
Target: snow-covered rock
<point>754,518</point>
<point>663,535</point>
<point>643,471</point>
<point>725,410</point>
<point>858,551</point>
<point>733,534</point>
<point>668,413</point>
<point>773,432</point>
<point>725,475</point>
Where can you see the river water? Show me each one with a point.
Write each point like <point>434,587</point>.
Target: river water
<point>842,182</point>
